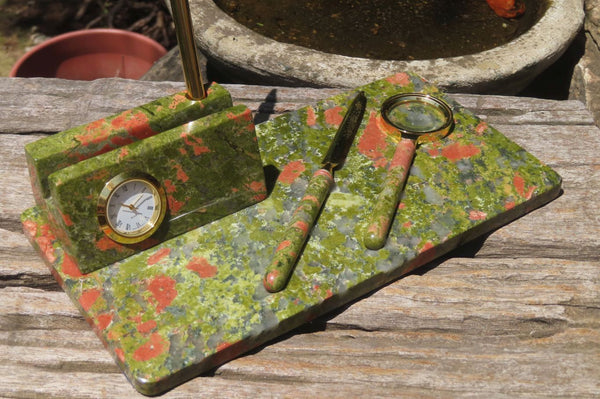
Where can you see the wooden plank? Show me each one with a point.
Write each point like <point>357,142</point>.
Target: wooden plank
<point>516,313</point>
<point>51,105</point>
<point>466,320</point>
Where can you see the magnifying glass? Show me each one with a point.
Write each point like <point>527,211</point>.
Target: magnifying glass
<point>418,118</point>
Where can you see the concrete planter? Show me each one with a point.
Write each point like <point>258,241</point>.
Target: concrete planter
<point>506,69</point>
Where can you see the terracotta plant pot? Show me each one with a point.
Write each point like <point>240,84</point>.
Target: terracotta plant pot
<point>90,54</point>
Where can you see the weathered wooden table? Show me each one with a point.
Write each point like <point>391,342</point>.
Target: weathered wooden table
<point>515,314</point>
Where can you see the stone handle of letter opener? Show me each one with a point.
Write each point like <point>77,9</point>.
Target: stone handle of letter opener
<point>387,200</point>
<point>286,254</point>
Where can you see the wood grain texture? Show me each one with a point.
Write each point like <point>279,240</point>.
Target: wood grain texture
<point>513,314</point>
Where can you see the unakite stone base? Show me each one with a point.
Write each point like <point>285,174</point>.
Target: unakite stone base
<point>196,301</point>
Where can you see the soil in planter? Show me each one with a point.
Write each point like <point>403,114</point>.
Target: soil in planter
<point>384,29</point>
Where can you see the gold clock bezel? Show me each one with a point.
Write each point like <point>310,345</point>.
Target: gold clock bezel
<point>155,220</point>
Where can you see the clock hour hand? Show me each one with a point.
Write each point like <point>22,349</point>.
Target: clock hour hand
<point>133,206</point>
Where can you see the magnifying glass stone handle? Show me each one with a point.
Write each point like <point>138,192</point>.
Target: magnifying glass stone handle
<point>387,200</point>
<point>303,219</point>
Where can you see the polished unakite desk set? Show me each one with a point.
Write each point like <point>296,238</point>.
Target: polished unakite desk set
<point>188,300</point>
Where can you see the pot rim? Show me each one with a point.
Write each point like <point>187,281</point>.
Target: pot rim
<point>83,33</point>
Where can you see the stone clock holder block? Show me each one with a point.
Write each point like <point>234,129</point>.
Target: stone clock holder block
<point>191,303</point>
<point>208,168</point>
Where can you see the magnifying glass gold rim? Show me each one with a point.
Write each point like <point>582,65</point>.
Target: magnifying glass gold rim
<point>394,101</point>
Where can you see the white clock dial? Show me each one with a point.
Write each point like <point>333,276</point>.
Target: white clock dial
<point>131,208</point>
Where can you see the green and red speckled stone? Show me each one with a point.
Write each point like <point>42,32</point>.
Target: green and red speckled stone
<point>299,228</point>
<point>71,146</point>
<point>383,211</point>
<point>209,168</point>
<point>193,302</point>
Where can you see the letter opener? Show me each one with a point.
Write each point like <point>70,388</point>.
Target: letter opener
<point>288,251</point>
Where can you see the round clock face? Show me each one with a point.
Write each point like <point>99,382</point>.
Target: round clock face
<point>131,207</point>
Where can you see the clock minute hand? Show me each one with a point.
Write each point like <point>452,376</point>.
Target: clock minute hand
<point>144,200</point>
<point>134,205</point>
